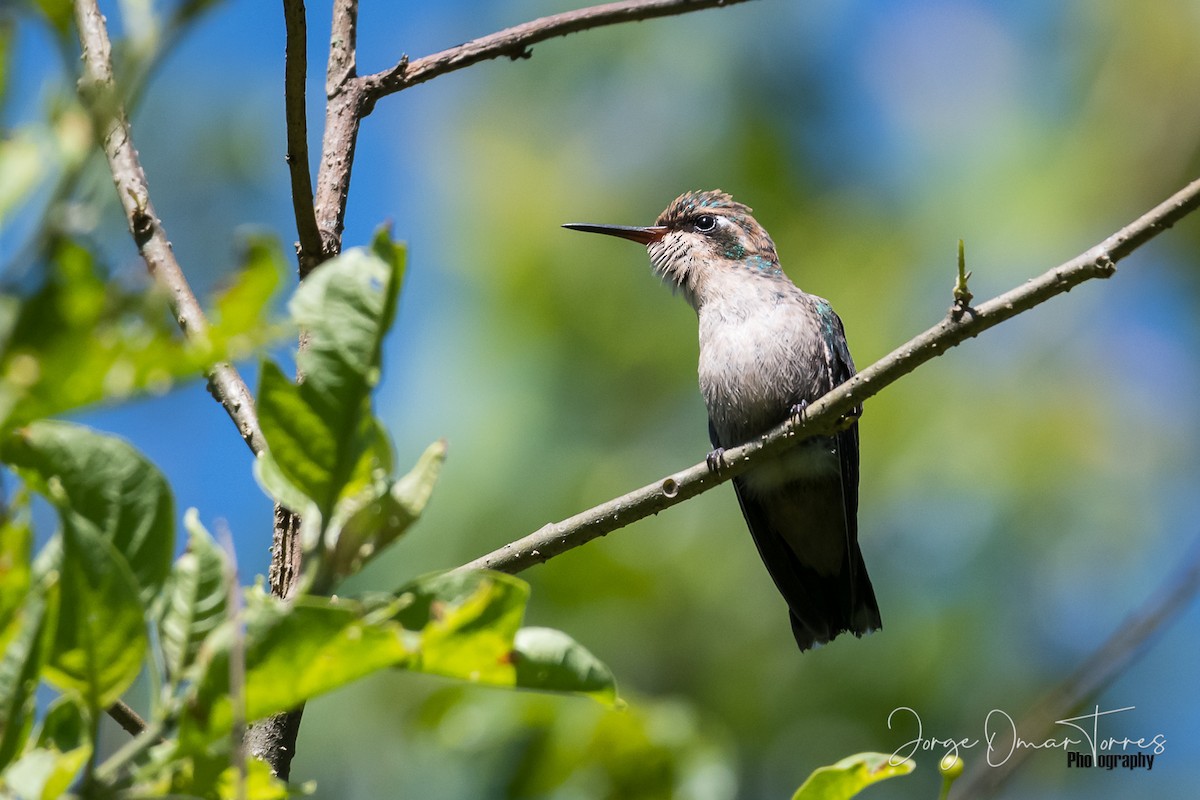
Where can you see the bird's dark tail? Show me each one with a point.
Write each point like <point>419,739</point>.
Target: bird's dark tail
<point>836,604</point>
<point>810,548</point>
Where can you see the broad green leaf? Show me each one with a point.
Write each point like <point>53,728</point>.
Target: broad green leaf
<point>322,437</point>
<point>367,523</point>
<point>293,653</point>
<point>100,633</point>
<point>196,598</point>
<point>314,449</point>
<point>101,483</point>
<point>347,305</point>
<point>550,660</point>
<point>20,661</point>
<point>467,622</point>
<point>850,776</point>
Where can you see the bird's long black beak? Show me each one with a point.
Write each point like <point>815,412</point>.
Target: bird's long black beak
<point>644,235</point>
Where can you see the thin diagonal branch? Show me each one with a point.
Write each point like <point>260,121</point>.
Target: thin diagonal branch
<point>1095,672</point>
<point>295,75</point>
<point>826,414</point>
<point>99,94</point>
<point>515,42</point>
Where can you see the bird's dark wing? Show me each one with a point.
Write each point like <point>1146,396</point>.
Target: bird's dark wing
<point>841,369</point>
<point>806,531</point>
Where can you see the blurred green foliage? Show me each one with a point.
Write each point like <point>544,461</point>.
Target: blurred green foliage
<point>102,600</point>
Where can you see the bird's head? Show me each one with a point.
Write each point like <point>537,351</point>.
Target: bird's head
<point>698,235</point>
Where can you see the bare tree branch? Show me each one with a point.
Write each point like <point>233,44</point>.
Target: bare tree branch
<point>99,93</point>
<point>826,414</point>
<point>343,113</point>
<point>295,77</point>
<point>515,42</point>
<point>351,97</point>
<point>1095,672</point>
<point>273,740</point>
<point>126,717</point>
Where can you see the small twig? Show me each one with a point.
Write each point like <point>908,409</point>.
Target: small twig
<point>295,75</point>
<point>127,718</point>
<point>515,42</point>
<point>1094,673</point>
<point>823,416</point>
<point>99,93</point>
<point>130,752</point>
<point>962,295</point>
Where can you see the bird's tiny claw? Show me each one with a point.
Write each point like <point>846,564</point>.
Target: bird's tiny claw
<point>716,459</point>
<point>797,411</point>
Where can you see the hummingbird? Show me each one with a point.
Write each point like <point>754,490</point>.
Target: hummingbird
<point>767,350</point>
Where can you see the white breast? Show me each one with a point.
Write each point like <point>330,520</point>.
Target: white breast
<point>759,355</point>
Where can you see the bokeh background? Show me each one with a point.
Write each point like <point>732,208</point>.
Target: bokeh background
<point>1020,496</point>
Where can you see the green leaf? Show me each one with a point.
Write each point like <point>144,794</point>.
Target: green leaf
<point>321,435</point>
<point>314,450</point>
<point>469,628</point>
<point>20,662</point>
<point>102,484</point>
<point>100,634</point>
<point>260,783</point>
<point>550,660</point>
<point>293,653</point>
<point>196,598</point>
<point>241,309</point>
<point>467,622</point>
<point>365,524</point>
<point>63,746</point>
<point>45,773</point>
<point>65,726</point>
<point>207,774</point>
<point>850,776</point>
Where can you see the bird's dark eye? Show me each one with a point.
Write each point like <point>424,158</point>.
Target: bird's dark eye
<point>705,223</point>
